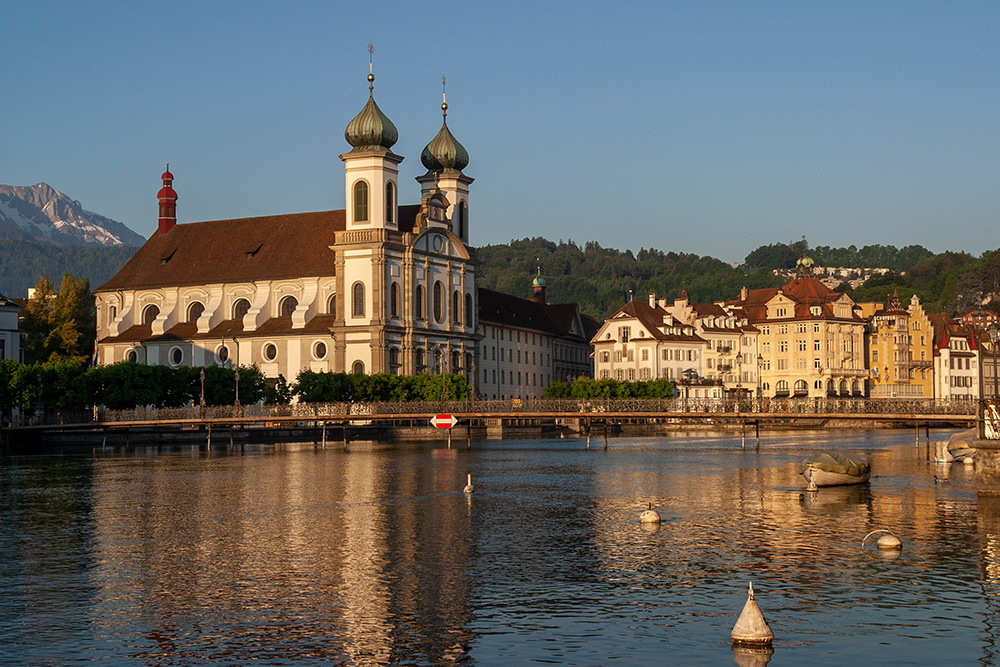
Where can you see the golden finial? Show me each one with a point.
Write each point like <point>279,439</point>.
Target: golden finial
<point>371,62</point>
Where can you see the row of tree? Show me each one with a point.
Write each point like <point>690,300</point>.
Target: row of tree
<point>68,384</point>
<point>584,387</point>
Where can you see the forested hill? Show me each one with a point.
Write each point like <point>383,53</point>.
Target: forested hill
<point>23,262</point>
<point>600,279</point>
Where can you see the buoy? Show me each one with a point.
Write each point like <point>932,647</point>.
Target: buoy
<point>751,629</point>
<point>886,541</point>
<point>649,515</point>
<point>468,486</point>
<point>968,460</point>
<point>752,656</point>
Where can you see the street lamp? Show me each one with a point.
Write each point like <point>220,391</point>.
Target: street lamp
<point>236,376</point>
<point>994,332</point>
<point>739,377</point>
<point>202,402</point>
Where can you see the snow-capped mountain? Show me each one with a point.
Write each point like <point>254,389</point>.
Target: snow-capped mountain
<point>41,213</point>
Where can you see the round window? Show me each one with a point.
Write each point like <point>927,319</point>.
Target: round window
<point>319,350</point>
<point>176,356</point>
<point>270,352</point>
<point>222,353</point>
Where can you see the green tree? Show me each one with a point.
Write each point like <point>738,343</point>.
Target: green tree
<point>59,324</point>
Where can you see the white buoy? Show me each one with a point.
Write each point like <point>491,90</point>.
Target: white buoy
<point>468,487</point>
<point>751,629</point>
<point>886,541</point>
<point>649,515</point>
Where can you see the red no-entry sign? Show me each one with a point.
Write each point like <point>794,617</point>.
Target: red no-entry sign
<point>444,421</point>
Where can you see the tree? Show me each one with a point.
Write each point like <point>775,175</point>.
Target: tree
<point>61,324</point>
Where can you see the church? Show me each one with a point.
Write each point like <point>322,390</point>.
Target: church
<point>375,288</point>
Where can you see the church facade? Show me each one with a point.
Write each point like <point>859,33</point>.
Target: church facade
<point>374,288</point>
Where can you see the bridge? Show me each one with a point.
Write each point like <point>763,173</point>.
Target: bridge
<point>582,412</point>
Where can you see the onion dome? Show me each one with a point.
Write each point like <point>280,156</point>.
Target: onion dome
<point>804,265</point>
<point>371,130</point>
<point>538,281</point>
<point>167,192</point>
<point>444,154</point>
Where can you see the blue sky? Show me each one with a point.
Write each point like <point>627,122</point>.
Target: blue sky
<point>704,127</point>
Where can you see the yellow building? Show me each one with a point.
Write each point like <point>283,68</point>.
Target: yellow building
<point>900,346</point>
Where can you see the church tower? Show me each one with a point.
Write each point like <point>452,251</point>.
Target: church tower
<point>445,158</point>
<point>371,169</point>
<point>168,203</point>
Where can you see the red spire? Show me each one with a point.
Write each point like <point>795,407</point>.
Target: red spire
<point>168,203</point>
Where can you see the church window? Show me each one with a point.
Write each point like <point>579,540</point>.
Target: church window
<point>358,368</point>
<point>418,302</point>
<point>358,307</point>
<point>240,308</point>
<point>390,203</point>
<point>270,352</point>
<point>456,361</point>
<point>456,315</point>
<point>131,356</point>
<point>420,363</point>
<point>394,360</point>
<point>319,350</point>
<point>462,214</point>
<point>222,354</point>
<point>287,306</point>
<point>468,310</point>
<point>360,202</point>
<point>195,309</point>
<point>113,313</point>
<point>331,305</point>
<point>438,301</point>
<point>149,314</point>
<point>394,300</point>
<point>176,356</point>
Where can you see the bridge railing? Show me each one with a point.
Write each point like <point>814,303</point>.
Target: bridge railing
<point>563,406</point>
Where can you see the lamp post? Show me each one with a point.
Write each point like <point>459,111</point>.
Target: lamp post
<point>994,332</point>
<point>739,378</point>
<point>202,402</point>
<point>236,404</point>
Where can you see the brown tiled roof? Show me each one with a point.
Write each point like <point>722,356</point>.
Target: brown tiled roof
<point>652,320</point>
<point>265,248</point>
<point>508,310</point>
<point>804,292</point>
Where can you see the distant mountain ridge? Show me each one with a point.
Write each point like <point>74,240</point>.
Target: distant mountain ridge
<point>41,214</point>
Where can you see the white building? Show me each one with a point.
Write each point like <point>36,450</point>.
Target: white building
<point>956,359</point>
<point>10,339</point>
<point>377,287</point>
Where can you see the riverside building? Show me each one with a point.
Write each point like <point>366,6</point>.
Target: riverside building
<point>376,288</point>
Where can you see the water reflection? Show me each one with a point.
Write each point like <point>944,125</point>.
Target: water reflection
<point>300,554</point>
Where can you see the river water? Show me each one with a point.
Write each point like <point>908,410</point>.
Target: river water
<point>299,554</point>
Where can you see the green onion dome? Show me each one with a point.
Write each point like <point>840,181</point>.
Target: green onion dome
<point>371,130</point>
<point>444,153</point>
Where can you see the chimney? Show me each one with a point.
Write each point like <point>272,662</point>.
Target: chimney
<point>652,300</point>
<point>744,294</point>
<point>168,203</point>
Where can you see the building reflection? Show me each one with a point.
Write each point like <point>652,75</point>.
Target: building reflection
<point>325,555</point>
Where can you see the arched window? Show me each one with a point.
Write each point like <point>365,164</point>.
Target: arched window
<point>112,313</point>
<point>390,203</point>
<point>331,305</point>
<point>456,313</point>
<point>801,388</point>
<point>358,368</point>
<point>287,306</point>
<point>856,388</point>
<point>843,387</point>
<point>468,309</point>
<point>131,356</point>
<point>394,360</point>
<point>394,300</point>
<point>195,309</point>
<point>360,202</point>
<point>358,307</point>
<point>418,303</point>
<point>438,301</point>
<point>149,314</point>
<point>240,309</point>
<point>456,361</point>
<point>781,388</point>
<point>462,215</point>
